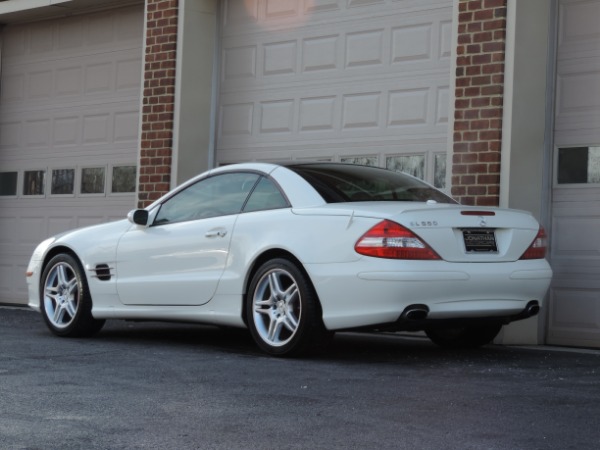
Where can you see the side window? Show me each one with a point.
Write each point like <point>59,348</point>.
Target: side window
<point>8,183</point>
<point>220,195</point>
<point>265,196</point>
<point>579,165</point>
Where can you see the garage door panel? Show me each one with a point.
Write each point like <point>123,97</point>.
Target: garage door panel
<point>317,114</point>
<point>256,15</point>
<point>574,309</point>
<point>107,77</point>
<point>578,93</point>
<point>573,242</point>
<point>6,280</point>
<point>262,117</point>
<point>579,309</point>
<point>361,111</point>
<point>25,227</point>
<point>100,130</point>
<point>579,33</point>
<point>345,50</point>
<point>13,87</point>
<point>74,37</point>
<point>8,289</point>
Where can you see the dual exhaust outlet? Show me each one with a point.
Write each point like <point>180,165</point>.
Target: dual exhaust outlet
<point>419,312</point>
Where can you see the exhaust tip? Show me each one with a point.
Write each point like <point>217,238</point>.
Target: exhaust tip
<point>533,309</point>
<point>415,312</point>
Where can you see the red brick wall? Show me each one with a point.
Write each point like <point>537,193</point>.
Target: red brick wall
<point>478,105</point>
<point>158,100</point>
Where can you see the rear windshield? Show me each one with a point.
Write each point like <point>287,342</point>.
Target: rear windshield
<point>339,183</point>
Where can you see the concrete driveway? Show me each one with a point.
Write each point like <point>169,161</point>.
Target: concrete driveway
<point>173,386</point>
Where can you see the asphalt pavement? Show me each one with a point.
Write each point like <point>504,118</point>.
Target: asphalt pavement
<point>180,386</point>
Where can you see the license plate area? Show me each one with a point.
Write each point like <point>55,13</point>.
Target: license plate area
<point>480,240</point>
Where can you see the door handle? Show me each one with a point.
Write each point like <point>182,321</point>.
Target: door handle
<point>216,233</point>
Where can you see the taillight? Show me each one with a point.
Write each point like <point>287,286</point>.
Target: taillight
<point>537,249</point>
<point>388,239</point>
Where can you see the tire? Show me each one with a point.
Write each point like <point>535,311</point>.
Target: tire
<point>464,337</point>
<point>283,312</point>
<point>65,301</point>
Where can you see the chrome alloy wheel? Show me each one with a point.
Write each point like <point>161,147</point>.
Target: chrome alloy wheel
<point>61,295</point>
<point>277,307</point>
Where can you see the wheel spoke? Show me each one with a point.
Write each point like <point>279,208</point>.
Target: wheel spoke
<point>71,307</point>
<point>264,306</point>
<point>291,293</point>
<point>290,321</point>
<point>62,275</point>
<point>267,302</point>
<point>274,330</point>
<point>71,286</point>
<point>51,294</point>
<point>292,300</point>
<point>275,284</point>
<point>262,310</point>
<point>58,314</point>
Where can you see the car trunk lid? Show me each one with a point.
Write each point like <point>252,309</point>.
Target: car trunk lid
<point>465,234</point>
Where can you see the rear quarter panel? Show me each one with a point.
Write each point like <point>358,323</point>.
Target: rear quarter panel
<point>312,239</point>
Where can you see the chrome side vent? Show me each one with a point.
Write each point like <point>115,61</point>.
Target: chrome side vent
<point>103,272</point>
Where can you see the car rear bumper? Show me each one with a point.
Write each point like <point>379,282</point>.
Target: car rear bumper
<point>357,294</point>
<point>416,317</point>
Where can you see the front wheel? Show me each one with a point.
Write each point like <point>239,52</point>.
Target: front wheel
<point>464,337</point>
<point>66,303</point>
<point>283,310</point>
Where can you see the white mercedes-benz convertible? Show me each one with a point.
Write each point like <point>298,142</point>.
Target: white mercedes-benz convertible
<point>295,252</point>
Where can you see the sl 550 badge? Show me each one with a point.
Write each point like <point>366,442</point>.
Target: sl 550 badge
<point>424,223</point>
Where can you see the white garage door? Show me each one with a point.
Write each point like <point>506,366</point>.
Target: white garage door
<point>69,111</point>
<point>351,80</point>
<point>575,253</point>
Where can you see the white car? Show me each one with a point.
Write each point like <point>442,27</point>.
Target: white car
<point>295,252</point>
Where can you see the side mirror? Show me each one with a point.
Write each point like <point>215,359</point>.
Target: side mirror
<point>138,217</point>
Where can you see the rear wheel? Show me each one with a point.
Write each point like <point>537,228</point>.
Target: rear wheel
<point>283,310</point>
<point>66,303</point>
<point>464,337</point>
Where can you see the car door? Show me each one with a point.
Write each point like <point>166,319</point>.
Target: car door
<point>179,258</point>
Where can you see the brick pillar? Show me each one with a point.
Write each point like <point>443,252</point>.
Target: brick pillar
<point>478,105</point>
<point>158,100</point>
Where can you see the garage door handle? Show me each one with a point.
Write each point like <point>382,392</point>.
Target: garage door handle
<point>216,233</point>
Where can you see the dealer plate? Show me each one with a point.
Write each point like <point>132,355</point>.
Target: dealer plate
<point>479,240</point>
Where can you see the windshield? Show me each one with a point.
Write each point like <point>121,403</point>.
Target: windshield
<point>339,183</point>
